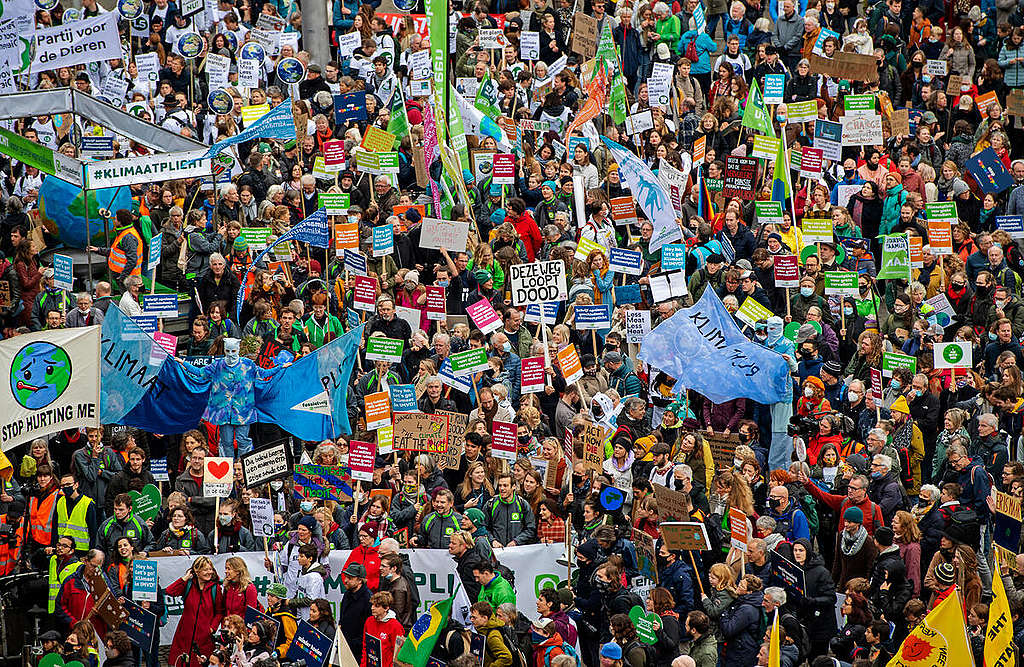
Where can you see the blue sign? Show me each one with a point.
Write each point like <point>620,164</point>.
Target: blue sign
<point>278,123</point>
<point>447,377</point>
<point>158,466</point>
<point>63,272</point>
<point>252,615</point>
<point>630,262</point>
<point>355,262</point>
<point>403,398</point>
<point>349,106</point>
<point>352,318</point>
<point>311,645</point>
<point>550,312</point>
<point>700,21</point>
<point>627,294</point>
<point>593,317</point>
<point>673,256</point>
<point>573,142</point>
<point>147,323</point>
<point>989,171</point>
<point>155,246</point>
<point>383,240</point>
<point>612,498</point>
<point>826,129</point>
<point>144,580</point>
<point>140,625</point>
<point>774,86</point>
<point>161,305</point>
<point>99,145</point>
<point>253,51</point>
<point>1011,224</point>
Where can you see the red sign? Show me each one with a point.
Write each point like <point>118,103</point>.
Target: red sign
<point>435,303</point>
<point>623,210</point>
<point>810,162</point>
<point>361,457</point>
<point>504,169</point>
<point>334,153</point>
<point>787,271</point>
<point>876,386</point>
<point>504,439</point>
<point>532,375</point>
<point>364,295</point>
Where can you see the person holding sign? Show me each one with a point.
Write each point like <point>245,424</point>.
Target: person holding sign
<point>382,631</point>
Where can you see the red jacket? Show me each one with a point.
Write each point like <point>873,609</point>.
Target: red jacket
<point>75,603</point>
<point>550,649</point>
<point>872,511</point>
<point>369,558</point>
<point>203,611</point>
<point>529,233</point>
<point>236,599</point>
<point>387,632</point>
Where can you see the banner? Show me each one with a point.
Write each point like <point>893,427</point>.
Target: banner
<point>312,410</point>
<point>538,282</point>
<point>278,123</point>
<point>78,42</point>
<point>146,169</point>
<point>54,380</point>
<point>703,344</point>
<point>649,193</point>
<point>535,566</point>
<point>895,257</point>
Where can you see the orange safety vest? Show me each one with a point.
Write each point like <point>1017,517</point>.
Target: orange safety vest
<point>9,554</point>
<point>116,260</point>
<point>41,518</point>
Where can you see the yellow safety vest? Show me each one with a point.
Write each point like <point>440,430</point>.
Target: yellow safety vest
<point>74,526</point>
<point>57,580</point>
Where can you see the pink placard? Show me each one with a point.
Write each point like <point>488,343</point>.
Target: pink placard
<point>504,437</point>
<point>334,153</point>
<point>166,341</point>
<point>787,271</point>
<point>876,386</point>
<point>484,316</point>
<point>435,303</point>
<point>364,295</point>
<point>361,457</point>
<point>504,169</point>
<point>533,375</point>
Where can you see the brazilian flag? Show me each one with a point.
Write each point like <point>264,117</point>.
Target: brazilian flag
<point>424,634</point>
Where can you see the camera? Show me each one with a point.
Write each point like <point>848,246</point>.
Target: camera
<point>805,427</point>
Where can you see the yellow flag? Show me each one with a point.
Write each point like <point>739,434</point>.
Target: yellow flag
<point>774,650</point>
<point>940,639</point>
<point>999,650</point>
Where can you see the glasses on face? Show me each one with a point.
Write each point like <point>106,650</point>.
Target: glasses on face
<point>852,488</point>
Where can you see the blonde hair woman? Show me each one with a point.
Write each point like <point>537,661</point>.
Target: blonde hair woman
<point>239,591</point>
<point>723,590</point>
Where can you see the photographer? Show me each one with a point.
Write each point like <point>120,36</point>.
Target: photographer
<point>255,650</point>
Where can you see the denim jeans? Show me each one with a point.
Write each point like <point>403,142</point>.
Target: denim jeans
<point>231,434</point>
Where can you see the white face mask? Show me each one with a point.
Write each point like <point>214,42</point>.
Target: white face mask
<point>808,392</point>
<point>231,351</point>
<point>853,396</point>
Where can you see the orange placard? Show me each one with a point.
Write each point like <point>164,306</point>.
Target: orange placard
<point>569,362</point>
<point>983,101</point>
<point>378,410</point>
<point>940,237</point>
<point>509,125</point>
<point>916,254</point>
<point>346,235</point>
<point>738,529</point>
<point>700,148</point>
<point>377,140</point>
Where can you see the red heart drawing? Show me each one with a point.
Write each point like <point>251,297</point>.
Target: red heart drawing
<point>218,470</point>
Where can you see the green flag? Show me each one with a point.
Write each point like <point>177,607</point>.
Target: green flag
<point>398,124</point>
<point>487,97</point>
<point>755,116</point>
<point>424,634</point>
<point>617,100</point>
<point>606,47</point>
<point>781,186</point>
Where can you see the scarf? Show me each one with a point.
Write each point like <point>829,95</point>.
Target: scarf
<point>852,544</point>
<point>902,436</point>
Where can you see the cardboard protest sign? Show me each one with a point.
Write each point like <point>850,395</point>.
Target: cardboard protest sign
<point>591,437</point>
<point>844,65</point>
<point>672,504</point>
<point>685,535</point>
<point>584,35</point>
<point>217,476</point>
<point>417,431</point>
<point>723,447</point>
<point>266,464</point>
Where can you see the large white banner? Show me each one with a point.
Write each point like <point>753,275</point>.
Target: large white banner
<point>77,42</point>
<point>53,380</point>
<point>156,167</point>
<point>535,568</point>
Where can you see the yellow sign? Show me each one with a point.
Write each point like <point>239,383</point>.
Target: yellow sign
<point>253,113</point>
<point>377,140</point>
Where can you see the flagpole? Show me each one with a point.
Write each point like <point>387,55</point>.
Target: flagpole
<point>789,177</point>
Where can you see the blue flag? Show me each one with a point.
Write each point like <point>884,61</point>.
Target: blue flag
<point>989,171</point>
<point>309,398</point>
<point>703,347</point>
<point>141,385</point>
<point>314,230</point>
<point>278,123</point>
<point>649,193</point>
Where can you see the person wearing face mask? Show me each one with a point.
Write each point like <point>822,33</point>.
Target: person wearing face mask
<point>76,517</point>
<point>812,402</point>
<point>789,518</point>
<point>231,536</point>
<point>805,298</point>
<point>981,310</point>
<point>85,314</point>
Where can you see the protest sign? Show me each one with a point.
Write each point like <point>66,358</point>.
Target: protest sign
<point>63,274</point>
<point>953,355</point>
<point>591,438</point>
<point>895,257</point>
<point>217,476</point>
<point>140,624</point>
<point>791,574</point>
<point>533,374</point>
<point>685,535</point>
<point>569,363</point>
<point>828,136</point>
<point>723,447</point>
<point>629,262</point>
<point>346,236</point>
<point>309,645</point>
<point>484,316</point>
<point>161,305</point>
<point>336,203</point>
<point>751,311</point>
<point>592,317</point>
<point>435,303</point>
<point>638,325</point>
<point>738,529</point>
<point>384,240</point>
<point>503,169</point>
<point>261,511</point>
<point>988,171</point>
<point>672,504</point>
<point>378,408</point>
<point>364,294</point>
<point>436,234</point>
<point>384,349</point>
<point>810,163</point>
<point>533,313</point>
<point>1006,529</point>
<point>266,464</point>
<point>418,431</point>
<point>403,397</point>
<point>144,581</point>
<point>892,361</point>
<point>529,45</point>
<point>787,271</point>
<point>468,362</point>
<point>864,130</point>
<point>504,439</point>
<point>842,283</point>
<point>846,65</point>
<point>673,256</point>
<point>802,112</point>
<point>876,386</point>
<point>740,177</point>
<point>623,211</point>
<point>1012,225</point>
<point>768,213</point>
<point>765,147</point>
<point>538,282</point>
<point>774,87</point>
<point>88,40</point>
<point>361,457</point>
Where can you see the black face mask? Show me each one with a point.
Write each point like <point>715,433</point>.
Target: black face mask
<point>774,503</point>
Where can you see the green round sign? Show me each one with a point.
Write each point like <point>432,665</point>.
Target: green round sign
<point>952,354</point>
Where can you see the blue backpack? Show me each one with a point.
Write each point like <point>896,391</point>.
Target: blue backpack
<point>567,650</point>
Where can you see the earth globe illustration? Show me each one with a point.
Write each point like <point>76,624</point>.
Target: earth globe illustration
<point>62,210</point>
<point>40,373</point>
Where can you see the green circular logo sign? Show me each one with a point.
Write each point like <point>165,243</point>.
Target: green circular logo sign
<point>40,373</point>
<point>952,354</point>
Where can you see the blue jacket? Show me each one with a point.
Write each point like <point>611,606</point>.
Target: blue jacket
<point>705,47</point>
<point>678,580</point>
<point>741,629</point>
<point>975,488</point>
<point>341,21</point>
<point>794,519</point>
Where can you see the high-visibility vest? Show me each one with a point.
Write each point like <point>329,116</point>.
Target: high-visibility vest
<point>57,579</point>
<point>116,260</point>
<point>74,526</point>
<point>41,518</point>
<point>9,554</point>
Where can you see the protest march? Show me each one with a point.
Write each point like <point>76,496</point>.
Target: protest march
<point>480,333</point>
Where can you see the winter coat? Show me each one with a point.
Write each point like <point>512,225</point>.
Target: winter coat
<point>352,615</point>
<point>705,47</point>
<point>788,35</point>
<point>237,599</point>
<point>889,567</point>
<point>741,629</point>
<point>511,521</point>
<point>816,609</point>
<point>126,481</point>
<point>887,492</point>
<point>201,616</point>
<point>233,538</point>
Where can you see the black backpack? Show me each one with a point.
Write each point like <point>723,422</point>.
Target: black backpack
<point>508,638</point>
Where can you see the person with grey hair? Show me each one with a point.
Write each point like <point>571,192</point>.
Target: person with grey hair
<point>885,488</point>
<point>131,300</point>
<point>774,597</point>
<point>85,315</point>
<point>218,284</point>
<point>990,446</point>
<point>878,443</point>
<point>432,400</point>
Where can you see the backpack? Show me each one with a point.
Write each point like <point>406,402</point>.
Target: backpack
<point>906,476</point>
<point>518,658</point>
<point>650,658</point>
<point>567,650</point>
<point>691,51</point>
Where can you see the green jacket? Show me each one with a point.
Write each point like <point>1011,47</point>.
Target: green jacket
<point>496,653</point>
<point>669,31</point>
<point>497,591</point>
